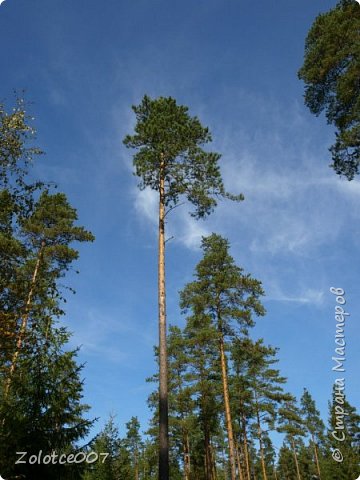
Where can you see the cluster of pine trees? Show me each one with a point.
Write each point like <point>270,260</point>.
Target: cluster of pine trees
<point>227,398</point>
<point>221,401</point>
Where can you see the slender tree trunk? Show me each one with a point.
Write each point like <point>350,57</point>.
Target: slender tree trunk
<point>225,463</point>
<point>227,409</point>
<point>24,321</point>
<point>213,462</point>
<point>246,450</point>
<point>239,462</point>
<point>262,457</point>
<point>186,452</point>
<point>163,368</point>
<point>316,458</point>
<point>136,465</point>
<point>296,459</point>
<point>275,473</point>
<point>208,457</point>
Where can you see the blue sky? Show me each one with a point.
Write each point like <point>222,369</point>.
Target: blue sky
<point>234,63</point>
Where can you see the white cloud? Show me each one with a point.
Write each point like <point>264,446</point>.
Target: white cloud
<point>146,204</point>
<point>180,226</point>
<point>100,334</point>
<point>305,296</point>
<point>190,231</point>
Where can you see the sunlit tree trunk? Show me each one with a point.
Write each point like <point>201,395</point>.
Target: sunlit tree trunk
<point>186,452</point>
<point>227,409</point>
<point>246,451</point>
<point>262,457</point>
<point>163,369</point>
<point>24,321</point>
<point>239,462</point>
<point>316,458</point>
<point>275,473</point>
<point>213,463</point>
<point>296,459</point>
<point>208,457</point>
<point>136,465</point>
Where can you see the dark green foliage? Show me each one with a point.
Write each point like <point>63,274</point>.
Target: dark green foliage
<point>118,462</point>
<point>40,386</point>
<point>311,416</point>
<point>165,132</point>
<point>43,410</point>
<point>315,429</point>
<point>222,301</point>
<point>204,370</point>
<point>133,444</point>
<point>257,393</point>
<point>286,466</point>
<point>222,291</point>
<point>290,421</point>
<point>343,434</point>
<point>184,427</point>
<point>331,73</point>
<point>262,382</point>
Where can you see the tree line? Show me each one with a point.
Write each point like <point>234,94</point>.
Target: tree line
<point>227,397</point>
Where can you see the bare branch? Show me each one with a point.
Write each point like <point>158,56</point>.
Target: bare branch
<point>173,208</point>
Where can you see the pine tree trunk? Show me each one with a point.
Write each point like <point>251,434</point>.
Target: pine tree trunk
<point>136,462</point>
<point>296,460</point>
<point>24,321</point>
<point>227,409</point>
<point>262,457</point>
<point>186,451</point>
<point>239,462</point>
<point>316,458</point>
<point>213,463</point>
<point>208,457</point>
<point>163,373</point>
<point>275,473</point>
<point>246,451</point>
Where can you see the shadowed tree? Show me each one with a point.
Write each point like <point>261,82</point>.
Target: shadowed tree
<point>170,160</point>
<point>331,73</point>
<point>43,410</point>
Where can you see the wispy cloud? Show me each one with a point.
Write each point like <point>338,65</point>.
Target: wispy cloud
<point>146,204</point>
<point>102,334</point>
<point>306,296</point>
<point>181,227</point>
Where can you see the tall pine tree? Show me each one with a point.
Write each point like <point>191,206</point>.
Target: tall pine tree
<point>228,298</point>
<point>170,159</point>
